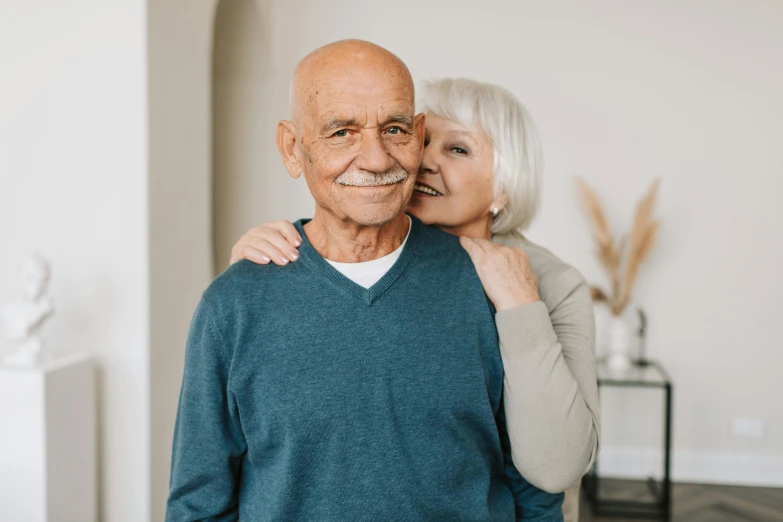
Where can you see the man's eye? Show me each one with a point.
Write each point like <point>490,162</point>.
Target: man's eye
<point>459,150</point>
<point>342,133</point>
<point>394,130</point>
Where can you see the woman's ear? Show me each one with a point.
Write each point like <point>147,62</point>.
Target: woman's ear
<point>499,203</point>
<point>286,144</point>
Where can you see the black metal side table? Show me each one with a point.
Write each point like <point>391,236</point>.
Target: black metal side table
<point>649,374</point>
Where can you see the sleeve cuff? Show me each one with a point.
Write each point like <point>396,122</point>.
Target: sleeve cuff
<point>525,328</point>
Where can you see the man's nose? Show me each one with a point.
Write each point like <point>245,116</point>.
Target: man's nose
<point>374,156</point>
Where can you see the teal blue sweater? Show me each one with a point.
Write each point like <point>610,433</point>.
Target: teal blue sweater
<point>308,397</point>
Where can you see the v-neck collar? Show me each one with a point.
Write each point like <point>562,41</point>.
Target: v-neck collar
<point>313,259</point>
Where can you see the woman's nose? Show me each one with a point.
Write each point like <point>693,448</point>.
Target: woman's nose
<point>429,164</point>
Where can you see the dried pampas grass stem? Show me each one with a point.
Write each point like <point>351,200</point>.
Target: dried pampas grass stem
<point>622,259</point>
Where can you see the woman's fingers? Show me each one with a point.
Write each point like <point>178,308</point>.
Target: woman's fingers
<point>485,245</point>
<point>268,242</point>
<point>288,231</point>
<point>284,250</point>
<point>473,249</point>
<point>240,252</point>
<point>271,251</point>
<point>255,247</point>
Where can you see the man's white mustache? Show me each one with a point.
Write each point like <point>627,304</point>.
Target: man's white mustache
<point>363,178</point>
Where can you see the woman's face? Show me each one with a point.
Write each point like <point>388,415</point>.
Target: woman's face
<point>454,189</point>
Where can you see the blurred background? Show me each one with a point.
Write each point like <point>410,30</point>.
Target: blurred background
<point>137,145</point>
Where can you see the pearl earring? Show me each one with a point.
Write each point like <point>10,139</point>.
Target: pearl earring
<point>495,211</point>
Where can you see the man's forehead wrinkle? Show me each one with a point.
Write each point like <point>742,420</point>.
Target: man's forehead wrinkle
<point>398,117</point>
<point>336,123</point>
<point>342,118</point>
<point>346,115</point>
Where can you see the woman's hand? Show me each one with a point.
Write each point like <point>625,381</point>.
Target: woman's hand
<point>275,241</point>
<point>505,272</point>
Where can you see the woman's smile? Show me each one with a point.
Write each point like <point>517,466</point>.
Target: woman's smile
<point>424,190</point>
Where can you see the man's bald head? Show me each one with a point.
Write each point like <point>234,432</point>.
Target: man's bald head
<point>348,61</point>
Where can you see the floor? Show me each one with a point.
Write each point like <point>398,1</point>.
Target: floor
<point>700,503</point>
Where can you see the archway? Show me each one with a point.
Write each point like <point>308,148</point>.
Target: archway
<point>237,68</point>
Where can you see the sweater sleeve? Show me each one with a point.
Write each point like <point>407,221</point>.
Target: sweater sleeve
<point>550,385</point>
<point>208,442</point>
<point>531,503</point>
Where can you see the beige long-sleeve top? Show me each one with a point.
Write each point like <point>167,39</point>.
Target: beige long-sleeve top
<point>550,387</point>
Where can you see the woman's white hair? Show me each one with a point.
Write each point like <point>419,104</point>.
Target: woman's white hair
<point>495,112</point>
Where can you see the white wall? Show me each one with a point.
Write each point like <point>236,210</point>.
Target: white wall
<point>73,186</point>
<point>624,92</point>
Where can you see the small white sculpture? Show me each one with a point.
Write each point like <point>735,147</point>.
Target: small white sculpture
<point>21,322</point>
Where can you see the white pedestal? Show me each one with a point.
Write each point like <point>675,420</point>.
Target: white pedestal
<point>47,442</point>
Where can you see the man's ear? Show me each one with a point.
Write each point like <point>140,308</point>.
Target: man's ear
<point>419,129</point>
<point>286,144</point>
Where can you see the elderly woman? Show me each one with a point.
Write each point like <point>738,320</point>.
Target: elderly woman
<point>479,179</point>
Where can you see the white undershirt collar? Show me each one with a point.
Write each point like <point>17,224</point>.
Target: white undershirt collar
<point>367,273</point>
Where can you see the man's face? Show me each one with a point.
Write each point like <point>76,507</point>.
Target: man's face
<point>361,146</point>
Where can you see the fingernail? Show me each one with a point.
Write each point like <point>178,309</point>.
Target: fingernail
<point>297,242</point>
<point>293,256</point>
<point>265,259</point>
<point>284,261</point>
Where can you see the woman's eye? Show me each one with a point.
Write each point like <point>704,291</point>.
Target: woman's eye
<point>342,133</point>
<point>459,150</point>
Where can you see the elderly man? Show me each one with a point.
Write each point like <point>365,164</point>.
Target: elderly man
<point>363,382</point>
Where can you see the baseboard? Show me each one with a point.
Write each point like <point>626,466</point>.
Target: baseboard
<point>699,467</point>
